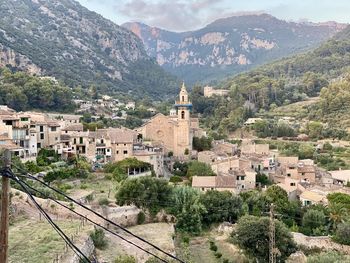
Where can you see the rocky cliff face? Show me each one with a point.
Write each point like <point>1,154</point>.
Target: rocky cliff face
<point>229,45</point>
<point>61,38</point>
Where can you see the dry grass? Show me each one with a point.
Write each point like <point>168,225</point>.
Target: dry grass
<point>37,242</point>
<point>159,234</point>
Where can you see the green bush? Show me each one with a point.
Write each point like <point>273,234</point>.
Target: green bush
<point>175,179</point>
<point>342,234</point>
<point>103,201</point>
<point>141,217</point>
<point>218,255</point>
<point>99,239</point>
<point>213,246</point>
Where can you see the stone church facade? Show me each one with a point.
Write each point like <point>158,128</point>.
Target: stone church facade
<point>174,132</point>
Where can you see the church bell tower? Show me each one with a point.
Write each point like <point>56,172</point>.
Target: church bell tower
<point>183,134</point>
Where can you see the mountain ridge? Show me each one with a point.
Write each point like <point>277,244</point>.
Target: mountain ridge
<point>63,39</point>
<point>229,45</point>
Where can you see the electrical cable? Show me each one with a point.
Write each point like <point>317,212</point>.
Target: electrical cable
<point>93,222</point>
<point>99,215</point>
<point>75,249</point>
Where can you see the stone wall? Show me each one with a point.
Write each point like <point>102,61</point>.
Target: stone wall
<point>87,248</point>
<point>324,243</point>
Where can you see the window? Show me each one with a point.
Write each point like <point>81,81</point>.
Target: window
<point>56,138</point>
<point>292,184</point>
<point>302,173</point>
<point>124,144</point>
<point>242,186</point>
<point>81,140</point>
<point>108,150</point>
<point>125,152</point>
<point>24,119</point>
<point>202,188</point>
<point>102,141</point>
<point>182,114</point>
<point>117,152</point>
<point>183,98</point>
<point>289,175</point>
<point>237,178</point>
<point>242,177</point>
<point>42,136</point>
<point>38,145</point>
<point>53,129</point>
<point>41,128</point>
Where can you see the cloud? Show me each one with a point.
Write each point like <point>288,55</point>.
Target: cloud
<point>177,15</point>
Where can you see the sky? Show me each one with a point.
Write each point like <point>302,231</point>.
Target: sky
<point>185,15</point>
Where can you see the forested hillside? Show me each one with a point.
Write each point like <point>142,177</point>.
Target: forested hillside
<point>281,83</point>
<point>22,91</point>
<point>60,38</point>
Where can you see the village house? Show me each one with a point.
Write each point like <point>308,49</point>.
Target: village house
<point>312,197</point>
<point>210,91</point>
<point>341,177</point>
<point>219,183</point>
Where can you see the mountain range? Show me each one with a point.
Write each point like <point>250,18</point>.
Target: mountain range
<point>62,39</point>
<point>230,45</point>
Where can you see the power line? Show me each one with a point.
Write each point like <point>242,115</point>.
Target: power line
<point>93,222</point>
<point>99,215</point>
<point>75,249</point>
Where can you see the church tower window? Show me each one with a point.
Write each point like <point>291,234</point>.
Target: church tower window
<point>183,115</point>
<point>183,98</point>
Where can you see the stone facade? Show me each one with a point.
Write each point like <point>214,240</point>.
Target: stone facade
<point>174,132</point>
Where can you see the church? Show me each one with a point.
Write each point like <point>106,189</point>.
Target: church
<point>176,131</point>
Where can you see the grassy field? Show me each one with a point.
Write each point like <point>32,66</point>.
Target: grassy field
<point>37,242</point>
<point>198,249</point>
<point>159,234</point>
<point>96,183</point>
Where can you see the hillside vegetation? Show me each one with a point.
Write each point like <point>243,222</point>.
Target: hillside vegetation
<point>281,83</point>
<point>22,91</point>
<point>60,38</point>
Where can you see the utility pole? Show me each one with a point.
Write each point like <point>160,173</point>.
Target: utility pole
<point>272,233</point>
<point>5,197</point>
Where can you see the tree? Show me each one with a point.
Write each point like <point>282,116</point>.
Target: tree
<point>252,235</point>
<point>314,129</point>
<point>145,192</point>
<point>188,210</point>
<point>196,168</point>
<point>221,206</point>
<point>202,144</point>
<point>313,222</point>
<point>278,196</point>
<point>306,151</point>
<point>254,201</point>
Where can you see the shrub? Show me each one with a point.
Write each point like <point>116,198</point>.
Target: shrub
<point>313,222</point>
<point>213,246</point>
<point>218,255</point>
<point>103,201</point>
<point>175,179</point>
<point>99,239</point>
<point>342,235</point>
<point>141,218</point>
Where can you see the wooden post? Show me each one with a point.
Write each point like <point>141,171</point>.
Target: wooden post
<point>4,225</point>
